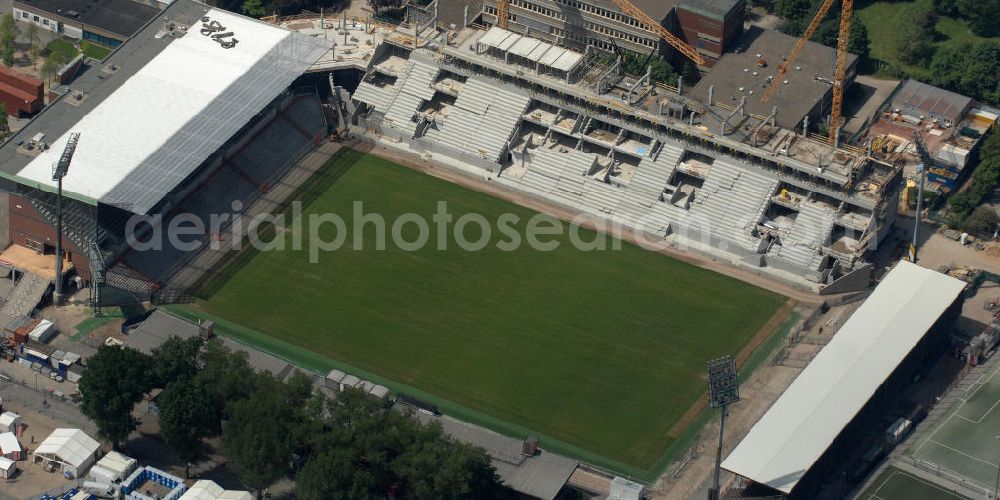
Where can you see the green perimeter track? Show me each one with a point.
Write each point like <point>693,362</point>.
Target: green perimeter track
<point>603,351</point>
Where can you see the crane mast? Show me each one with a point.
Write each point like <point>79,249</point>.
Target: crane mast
<point>843,39</point>
<point>652,25</point>
<point>801,42</point>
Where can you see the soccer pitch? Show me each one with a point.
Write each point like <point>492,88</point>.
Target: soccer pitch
<point>604,350</point>
<point>968,441</point>
<point>897,485</point>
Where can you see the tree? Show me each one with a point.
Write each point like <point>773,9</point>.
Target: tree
<point>972,69</point>
<point>912,42</point>
<point>334,473</point>
<point>53,63</point>
<point>4,124</point>
<point>435,466</point>
<point>983,222</point>
<point>373,451</point>
<point>115,380</point>
<point>227,375</point>
<point>255,8</point>
<point>187,416</point>
<point>981,15</point>
<point>255,439</point>
<point>8,39</point>
<point>176,359</point>
<point>32,34</point>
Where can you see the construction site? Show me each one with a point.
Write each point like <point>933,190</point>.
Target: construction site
<point>731,168</point>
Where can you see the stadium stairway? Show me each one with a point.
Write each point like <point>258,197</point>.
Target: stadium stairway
<point>730,199</point>
<point>25,296</point>
<point>811,231</point>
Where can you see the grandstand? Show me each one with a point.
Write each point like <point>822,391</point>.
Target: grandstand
<point>173,121</point>
<point>565,127</point>
<point>822,417</point>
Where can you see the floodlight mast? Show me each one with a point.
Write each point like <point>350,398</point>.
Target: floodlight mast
<point>59,170</point>
<point>723,390</point>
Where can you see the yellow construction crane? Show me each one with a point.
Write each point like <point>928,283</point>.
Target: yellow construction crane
<point>631,10</point>
<point>843,39</point>
<point>651,25</point>
<point>801,42</point>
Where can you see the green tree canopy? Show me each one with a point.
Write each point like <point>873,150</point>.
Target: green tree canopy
<point>187,416</point>
<point>373,451</point>
<point>115,380</point>
<point>176,358</point>
<point>8,39</point>
<point>255,439</point>
<point>227,375</point>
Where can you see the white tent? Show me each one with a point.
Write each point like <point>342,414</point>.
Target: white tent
<point>73,449</point>
<point>7,468</point>
<point>9,421</point>
<point>113,467</point>
<point>208,490</point>
<point>9,447</point>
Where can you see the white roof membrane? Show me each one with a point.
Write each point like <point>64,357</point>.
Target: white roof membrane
<point>795,432</point>
<point>178,109</point>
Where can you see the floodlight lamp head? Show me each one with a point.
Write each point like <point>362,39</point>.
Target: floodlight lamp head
<point>723,385</point>
<point>61,166</point>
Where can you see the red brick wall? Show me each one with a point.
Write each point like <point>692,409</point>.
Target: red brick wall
<point>719,36</point>
<point>26,223</point>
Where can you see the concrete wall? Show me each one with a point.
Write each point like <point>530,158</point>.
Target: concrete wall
<point>41,19</point>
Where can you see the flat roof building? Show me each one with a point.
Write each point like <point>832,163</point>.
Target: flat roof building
<point>105,22</point>
<point>927,101</point>
<point>710,26</point>
<point>757,57</point>
<point>161,325</point>
<point>905,320</point>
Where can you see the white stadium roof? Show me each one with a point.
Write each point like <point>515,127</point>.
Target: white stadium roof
<point>533,49</point>
<point>784,444</point>
<point>175,111</point>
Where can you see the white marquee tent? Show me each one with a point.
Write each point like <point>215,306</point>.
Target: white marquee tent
<point>208,490</point>
<point>73,449</point>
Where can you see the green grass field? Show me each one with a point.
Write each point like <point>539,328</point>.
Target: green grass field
<point>894,484</point>
<point>878,16</point>
<point>604,350</point>
<point>94,51</point>
<point>968,441</point>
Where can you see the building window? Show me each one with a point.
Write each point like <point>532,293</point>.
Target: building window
<point>45,22</point>
<point>24,14</point>
<point>35,19</point>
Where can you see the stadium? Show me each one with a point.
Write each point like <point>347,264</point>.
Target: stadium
<point>600,355</point>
